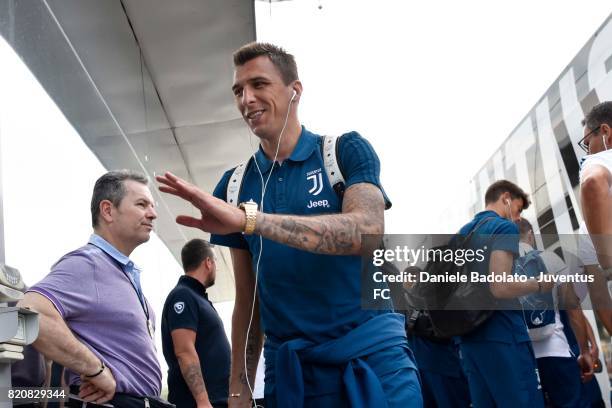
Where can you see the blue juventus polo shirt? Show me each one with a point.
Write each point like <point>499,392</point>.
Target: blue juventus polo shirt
<point>505,326</point>
<point>302,294</point>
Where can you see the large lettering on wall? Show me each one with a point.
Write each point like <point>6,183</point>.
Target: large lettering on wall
<point>544,148</point>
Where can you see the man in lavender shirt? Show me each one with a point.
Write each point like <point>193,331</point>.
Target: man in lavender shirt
<point>94,318</point>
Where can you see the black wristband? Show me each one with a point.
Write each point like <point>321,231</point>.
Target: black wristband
<point>98,373</point>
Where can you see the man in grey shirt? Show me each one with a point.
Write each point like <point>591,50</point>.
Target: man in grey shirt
<point>94,318</point>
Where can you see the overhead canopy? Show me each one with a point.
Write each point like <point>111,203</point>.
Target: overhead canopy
<point>147,85</point>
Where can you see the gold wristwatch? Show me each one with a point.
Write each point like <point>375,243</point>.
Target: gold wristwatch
<point>250,209</point>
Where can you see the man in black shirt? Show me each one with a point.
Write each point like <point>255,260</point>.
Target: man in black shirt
<point>194,342</point>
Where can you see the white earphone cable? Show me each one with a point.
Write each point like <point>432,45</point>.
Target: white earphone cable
<point>264,186</point>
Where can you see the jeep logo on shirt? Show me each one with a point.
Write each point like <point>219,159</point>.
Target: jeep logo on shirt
<point>317,181</point>
<point>320,203</point>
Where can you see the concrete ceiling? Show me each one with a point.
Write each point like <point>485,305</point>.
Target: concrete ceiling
<point>146,83</point>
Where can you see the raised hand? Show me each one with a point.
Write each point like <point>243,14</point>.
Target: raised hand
<point>217,216</point>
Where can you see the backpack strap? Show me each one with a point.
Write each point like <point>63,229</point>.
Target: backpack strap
<point>234,184</point>
<point>468,238</point>
<point>329,151</point>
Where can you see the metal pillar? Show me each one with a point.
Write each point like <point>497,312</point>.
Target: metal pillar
<point>5,368</point>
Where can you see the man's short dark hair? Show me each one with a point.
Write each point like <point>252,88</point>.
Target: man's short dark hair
<point>600,114</point>
<point>282,60</point>
<point>194,252</point>
<point>524,227</point>
<point>500,187</point>
<point>110,187</point>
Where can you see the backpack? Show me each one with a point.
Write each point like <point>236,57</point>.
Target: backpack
<point>439,311</point>
<point>538,308</point>
<point>331,163</point>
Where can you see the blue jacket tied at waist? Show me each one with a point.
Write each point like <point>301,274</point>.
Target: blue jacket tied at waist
<point>361,383</point>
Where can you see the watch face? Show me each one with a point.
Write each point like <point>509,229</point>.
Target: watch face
<point>251,205</point>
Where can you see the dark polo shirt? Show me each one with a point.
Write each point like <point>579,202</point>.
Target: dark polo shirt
<point>187,307</point>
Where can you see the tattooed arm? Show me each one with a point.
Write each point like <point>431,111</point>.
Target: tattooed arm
<point>183,341</point>
<point>243,307</point>
<point>334,234</point>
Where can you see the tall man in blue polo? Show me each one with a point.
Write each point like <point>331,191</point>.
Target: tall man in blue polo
<point>193,339</point>
<point>94,318</point>
<point>497,356</point>
<point>299,246</point>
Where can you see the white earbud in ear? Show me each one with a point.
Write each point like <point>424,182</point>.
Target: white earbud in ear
<point>507,201</point>
<point>294,95</point>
